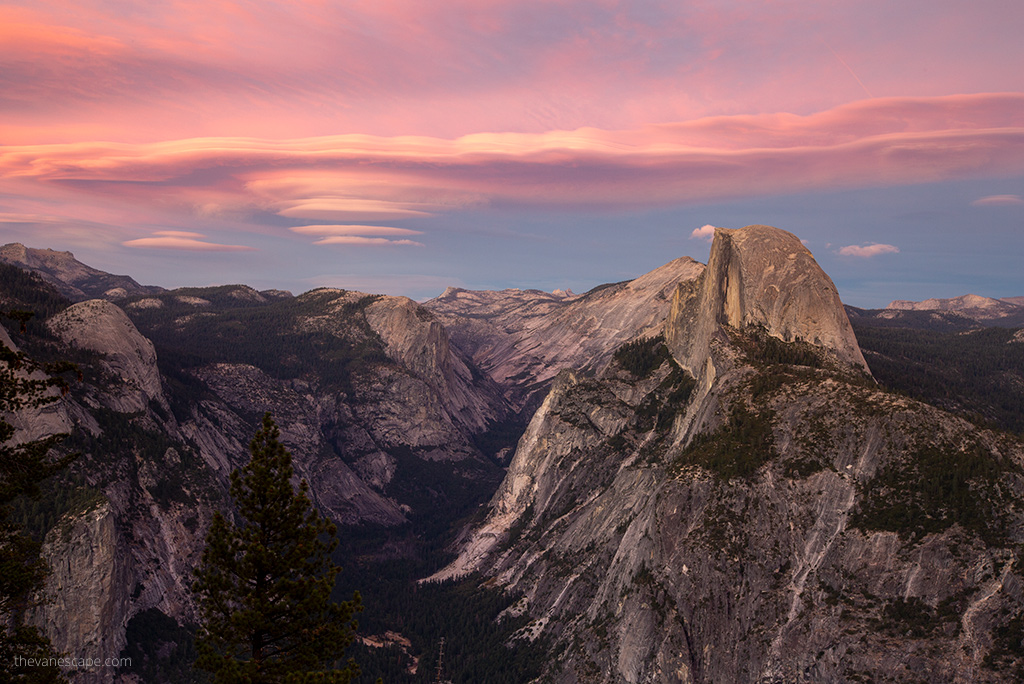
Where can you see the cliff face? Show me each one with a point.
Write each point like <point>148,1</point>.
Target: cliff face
<point>776,519</point>
<point>87,591</point>
<point>393,402</point>
<point>759,276</point>
<point>522,339</point>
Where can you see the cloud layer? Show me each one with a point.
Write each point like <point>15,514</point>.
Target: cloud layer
<point>142,71</point>
<point>383,137</point>
<point>182,240</point>
<point>255,185</point>
<point>868,251</point>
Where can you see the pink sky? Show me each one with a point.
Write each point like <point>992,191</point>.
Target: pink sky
<point>130,124</point>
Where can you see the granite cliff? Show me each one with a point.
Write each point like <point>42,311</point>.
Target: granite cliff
<point>380,411</point>
<point>523,338</point>
<point>743,503</point>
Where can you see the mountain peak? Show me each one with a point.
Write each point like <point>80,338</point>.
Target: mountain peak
<point>71,277</point>
<point>761,276</point>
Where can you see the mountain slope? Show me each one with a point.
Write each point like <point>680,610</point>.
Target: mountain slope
<point>957,313</point>
<point>523,338</point>
<point>776,518</point>
<point>71,277</point>
<point>381,414</point>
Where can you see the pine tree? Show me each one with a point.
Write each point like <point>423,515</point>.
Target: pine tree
<point>264,584</point>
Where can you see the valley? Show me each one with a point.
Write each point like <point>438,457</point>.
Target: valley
<point>707,473</point>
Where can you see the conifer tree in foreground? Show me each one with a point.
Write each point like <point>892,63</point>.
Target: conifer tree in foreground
<point>264,585</point>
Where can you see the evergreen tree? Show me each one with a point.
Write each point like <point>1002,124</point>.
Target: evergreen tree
<point>264,585</point>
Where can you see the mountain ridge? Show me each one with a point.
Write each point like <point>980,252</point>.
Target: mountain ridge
<point>693,499</point>
<point>781,522</point>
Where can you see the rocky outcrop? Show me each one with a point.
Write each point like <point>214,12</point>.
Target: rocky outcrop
<point>86,598</point>
<point>100,326</point>
<point>765,277</point>
<point>783,521</point>
<point>308,419</point>
<point>417,341</point>
<point>523,338</point>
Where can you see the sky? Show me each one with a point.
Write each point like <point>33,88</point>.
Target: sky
<point>402,146</point>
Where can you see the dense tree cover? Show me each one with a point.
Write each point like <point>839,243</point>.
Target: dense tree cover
<point>385,565</point>
<point>737,448</point>
<point>160,650</point>
<point>934,487</point>
<point>762,349</point>
<point>264,584</point>
<point>24,291</point>
<point>643,356</point>
<point>979,374</point>
<point>263,334</point>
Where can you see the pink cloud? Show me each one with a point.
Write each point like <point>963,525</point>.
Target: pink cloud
<point>183,240</point>
<point>334,230</point>
<point>705,232</point>
<point>998,201</point>
<point>178,234</point>
<point>224,182</point>
<point>868,251</point>
<point>148,71</point>
<point>357,240</point>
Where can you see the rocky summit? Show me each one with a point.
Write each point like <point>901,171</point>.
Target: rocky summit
<point>778,518</point>
<point>692,476</point>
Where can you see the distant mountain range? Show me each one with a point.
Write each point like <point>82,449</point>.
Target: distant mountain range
<point>957,313</point>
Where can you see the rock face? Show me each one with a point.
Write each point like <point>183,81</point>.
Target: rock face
<point>420,343</point>
<point>71,277</point>
<point>100,326</point>
<point>522,339</point>
<point>90,580</point>
<point>759,276</point>
<point>781,520</point>
<point>383,428</point>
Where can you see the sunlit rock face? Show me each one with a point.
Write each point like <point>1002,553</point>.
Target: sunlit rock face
<point>748,530</point>
<point>100,326</point>
<point>759,276</point>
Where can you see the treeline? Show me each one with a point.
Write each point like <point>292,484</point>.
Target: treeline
<point>643,356</point>
<point>979,374</point>
<point>265,335</point>
<point>26,290</point>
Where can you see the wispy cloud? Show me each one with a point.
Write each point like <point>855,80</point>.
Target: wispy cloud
<point>183,240</point>
<point>360,241</point>
<point>329,230</point>
<point>867,251</point>
<point>144,71</point>
<point>353,178</point>
<point>705,232</point>
<point>998,201</point>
